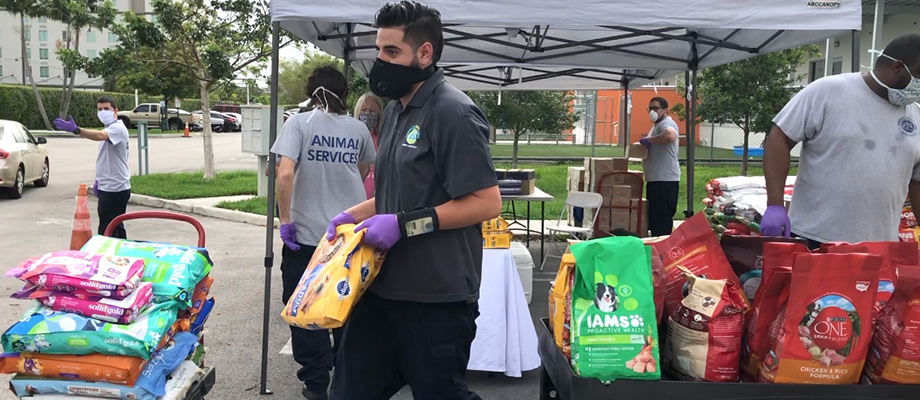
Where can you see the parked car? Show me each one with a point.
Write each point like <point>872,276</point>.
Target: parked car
<point>150,113</point>
<point>219,122</point>
<point>238,118</point>
<point>228,108</point>
<point>23,159</point>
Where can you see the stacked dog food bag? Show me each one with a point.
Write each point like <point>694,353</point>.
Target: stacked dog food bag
<point>735,204</point>
<point>113,320</point>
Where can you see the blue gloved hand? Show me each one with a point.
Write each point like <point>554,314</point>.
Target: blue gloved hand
<point>67,125</point>
<point>381,231</point>
<point>96,188</point>
<point>289,236</point>
<point>775,222</point>
<point>341,219</point>
<point>645,142</point>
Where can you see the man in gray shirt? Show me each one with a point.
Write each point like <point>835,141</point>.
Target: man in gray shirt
<point>113,177</point>
<point>325,156</point>
<point>662,172</point>
<point>860,152</point>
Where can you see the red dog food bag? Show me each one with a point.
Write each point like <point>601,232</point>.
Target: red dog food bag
<point>826,326</point>
<point>704,336</point>
<point>745,254</point>
<point>895,254</point>
<point>694,246</point>
<point>659,286</point>
<point>894,356</point>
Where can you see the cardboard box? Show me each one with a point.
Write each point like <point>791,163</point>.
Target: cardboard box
<point>528,186</point>
<point>496,240</point>
<point>620,179</point>
<point>619,195</point>
<point>637,150</point>
<point>598,167</point>
<point>517,174</point>
<point>495,224</point>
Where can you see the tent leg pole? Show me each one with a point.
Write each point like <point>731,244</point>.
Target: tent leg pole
<point>270,210</point>
<point>854,51</point>
<point>625,140</point>
<point>688,84</point>
<point>691,142</point>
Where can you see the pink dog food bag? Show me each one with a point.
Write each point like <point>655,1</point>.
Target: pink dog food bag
<point>82,272</point>
<point>104,309</point>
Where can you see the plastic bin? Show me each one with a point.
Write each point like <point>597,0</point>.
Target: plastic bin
<point>523,262</point>
<point>752,151</point>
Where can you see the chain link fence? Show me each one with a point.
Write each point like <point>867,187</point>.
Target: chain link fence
<point>720,142</point>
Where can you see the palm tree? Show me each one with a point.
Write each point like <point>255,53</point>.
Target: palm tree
<point>27,8</point>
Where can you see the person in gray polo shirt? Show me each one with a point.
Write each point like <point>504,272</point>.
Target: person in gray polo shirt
<point>113,177</point>
<point>662,172</point>
<point>435,184</point>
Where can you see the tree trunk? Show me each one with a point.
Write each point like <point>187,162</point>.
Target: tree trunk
<point>67,93</point>
<point>28,72</point>
<point>514,149</point>
<point>206,130</point>
<point>744,153</point>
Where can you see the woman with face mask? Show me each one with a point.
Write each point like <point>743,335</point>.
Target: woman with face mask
<point>860,154</point>
<point>369,110</point>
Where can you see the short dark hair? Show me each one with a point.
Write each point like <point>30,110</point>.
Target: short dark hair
<point>661,102</point>
<point>419,23</point>
<point>107,99</point>
<point>331,78</point>
<point>905,48</point>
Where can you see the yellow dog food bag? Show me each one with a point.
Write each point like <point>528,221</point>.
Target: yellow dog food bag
<point>338,274</point>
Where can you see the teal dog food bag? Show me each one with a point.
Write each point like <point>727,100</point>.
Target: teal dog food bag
<point>173,270</point>
<point>614,330</point>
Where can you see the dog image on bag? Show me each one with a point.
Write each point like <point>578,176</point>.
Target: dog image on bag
<point>605,298</point>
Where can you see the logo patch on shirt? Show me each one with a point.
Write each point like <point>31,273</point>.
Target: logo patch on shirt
<point>907,126</point>
<point>412,134</point>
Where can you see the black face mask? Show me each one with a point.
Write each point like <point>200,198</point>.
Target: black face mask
<point>395,81</point>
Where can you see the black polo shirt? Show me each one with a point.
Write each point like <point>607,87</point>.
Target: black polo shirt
<point>429,153</point>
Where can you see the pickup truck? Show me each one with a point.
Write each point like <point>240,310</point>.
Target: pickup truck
<point>150,113</point>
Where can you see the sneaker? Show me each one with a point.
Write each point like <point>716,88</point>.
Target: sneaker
<point>313,396</point>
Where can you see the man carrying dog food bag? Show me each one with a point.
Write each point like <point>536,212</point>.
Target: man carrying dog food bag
<point>435,184</point>
<point>860,152</point>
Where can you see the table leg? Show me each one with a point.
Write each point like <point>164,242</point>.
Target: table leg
<point>542,230</point>
<point>528,224</point>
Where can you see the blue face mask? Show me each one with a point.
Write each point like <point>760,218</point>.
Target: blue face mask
<point>901,97</point>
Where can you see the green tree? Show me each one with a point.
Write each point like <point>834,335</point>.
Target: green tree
<point>77,15</point>
<point>26,8</point>
<point>749,93</point>
<point>293,75</point>
<point>210,40</point>
<point>526,111</point>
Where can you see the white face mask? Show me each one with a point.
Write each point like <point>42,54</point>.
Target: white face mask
<point>653,115</point>
<point>325,103</point>
<point>901,97</point>
<point>107,117</point>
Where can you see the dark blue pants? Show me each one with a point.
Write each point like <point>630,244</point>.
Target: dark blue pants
<point>389,344</point>
<point>662,204</point>
<point>312,349</point>
<point>109,206</point>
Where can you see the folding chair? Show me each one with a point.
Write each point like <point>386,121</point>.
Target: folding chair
<point>586,200</point>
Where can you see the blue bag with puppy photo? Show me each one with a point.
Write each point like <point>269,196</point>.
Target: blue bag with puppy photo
<point>614,329</point>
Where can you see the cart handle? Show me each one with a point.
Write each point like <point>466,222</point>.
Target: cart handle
<point>156,215</point>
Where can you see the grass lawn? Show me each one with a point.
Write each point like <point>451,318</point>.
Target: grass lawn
<point>255,205</point>
<point>190,185</point>
<point>565,150</point>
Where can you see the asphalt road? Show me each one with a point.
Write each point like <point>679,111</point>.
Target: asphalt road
<point>40,222</point>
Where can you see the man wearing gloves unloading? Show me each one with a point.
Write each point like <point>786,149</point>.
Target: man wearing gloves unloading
<point>662,171</point>
<point>435,185</point>
<point>860,152</point>
<point>113,177</point>
<point>325,155</point>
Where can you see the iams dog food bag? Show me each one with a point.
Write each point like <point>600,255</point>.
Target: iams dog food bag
<point>704,335</point>
<point>692,245</point>
<point>827,326</point>
<point>745,254</point>
<point>895,254</point>
<point>772,294</point>
<point>614,331</point>
<point>894,356</point>
<point>338,274</point>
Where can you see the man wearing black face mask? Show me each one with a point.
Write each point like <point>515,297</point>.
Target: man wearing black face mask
<point>435,184</point>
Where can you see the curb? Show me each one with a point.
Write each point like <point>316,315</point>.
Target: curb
<point>205,211</point>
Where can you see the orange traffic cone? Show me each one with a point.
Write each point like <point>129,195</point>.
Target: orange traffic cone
<point>82,231</point>
<point>186,130</point>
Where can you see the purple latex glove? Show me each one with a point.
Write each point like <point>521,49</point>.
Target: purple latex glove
<point>341,219</point>
<point>382,231</point>
<point>96,188</point>
<point>289,236</point>
<point>775,222</point>
<point>67,125</point>
<point>645,142</point>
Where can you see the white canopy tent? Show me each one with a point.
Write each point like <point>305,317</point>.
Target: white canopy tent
<point>552,45</point>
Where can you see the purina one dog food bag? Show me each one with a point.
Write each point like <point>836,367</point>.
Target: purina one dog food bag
<point>827,326</point>
<point>895,254</point>
<point>614,331</point>
<point>894,357</point>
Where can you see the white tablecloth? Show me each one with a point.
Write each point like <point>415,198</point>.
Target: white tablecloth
<point>505,340</point>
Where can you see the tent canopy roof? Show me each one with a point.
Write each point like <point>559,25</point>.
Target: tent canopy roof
<point>550,36</point>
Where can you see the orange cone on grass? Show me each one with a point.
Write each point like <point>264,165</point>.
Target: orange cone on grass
<point>82,230</point>
<point>186,130</point>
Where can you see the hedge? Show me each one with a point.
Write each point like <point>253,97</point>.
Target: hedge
<point>17,103</point>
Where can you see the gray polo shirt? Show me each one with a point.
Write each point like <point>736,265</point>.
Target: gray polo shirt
<point>112,170</point>
<point>429,153</point>
<point>661,164</point>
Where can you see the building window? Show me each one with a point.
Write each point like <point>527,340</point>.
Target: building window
<point>90,37</point>
<point>113,38</point>
<point>42,36</point>
<point>1,70</point>
<point>28,19</point>
<point>43,54</point>
<point>65,35</point>
<point>43,72</point>
<point>28,53</point>
<point>42,20</point>
<point>91,54</point>
<point>28,35</point>
<point>815,70</point>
